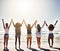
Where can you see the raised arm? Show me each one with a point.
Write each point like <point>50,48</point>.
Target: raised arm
<point>22,22</point>
<point>43,25</point>
<point>25,23</point>
<point>10,23</point>
<point>34,23</point>
<point>3,23</point>
<point>55,23</point>
<point>13,23</point>
<point>46,23</point>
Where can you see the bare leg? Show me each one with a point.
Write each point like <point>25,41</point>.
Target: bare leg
<point>15,42</point>
<point>30,41</point>
<point>52,41</point>
<point>4,42</point>
<point>19,41</point>
<point>49,41</point>
<point>27,41</point>
<point>38,42</point>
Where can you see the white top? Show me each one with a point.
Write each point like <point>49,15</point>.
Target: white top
<point>38,34</point>
<point>50,32</point>
<point>6,30</point>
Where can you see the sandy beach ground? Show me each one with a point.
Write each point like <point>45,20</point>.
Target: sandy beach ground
<point>44,44</point>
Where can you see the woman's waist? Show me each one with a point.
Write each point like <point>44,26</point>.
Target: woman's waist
<point>38,32</point>
<point>6,32</point>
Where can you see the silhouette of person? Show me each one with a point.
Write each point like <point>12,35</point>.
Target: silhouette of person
<point>38,33</point>
<point>51,35</point>
<point>17,32</point>
<point>6,35</point>
<point>29,33</point>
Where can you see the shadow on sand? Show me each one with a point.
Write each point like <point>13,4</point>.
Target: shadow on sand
<point>5,49</point>
<point>33,49</point>
<point>40,49</point>
<point>19,49</point>
<point>45,49</point>
<point>56,48</point>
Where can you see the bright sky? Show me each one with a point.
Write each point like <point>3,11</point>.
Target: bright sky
<point>30,10</point>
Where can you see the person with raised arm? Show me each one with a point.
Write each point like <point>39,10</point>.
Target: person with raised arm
<point>6,35</point>
<point>29,33</point>
<point>38,33</point>
<point>17,33</point>
<point>51,35</point>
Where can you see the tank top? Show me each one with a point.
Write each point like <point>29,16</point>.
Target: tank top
<point>50,32</point>
<point>29,30</point>
<point>6,30</point>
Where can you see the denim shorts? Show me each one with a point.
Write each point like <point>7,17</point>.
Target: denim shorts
<point>51,35</point>
<point>6,35</point>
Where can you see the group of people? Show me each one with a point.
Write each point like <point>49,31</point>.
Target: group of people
<point>29,33</point>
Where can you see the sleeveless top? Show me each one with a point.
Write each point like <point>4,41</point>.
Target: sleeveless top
<point>29,30</point>
<point>38,32</point>
<point>6,30</point>
<point>50,32</point>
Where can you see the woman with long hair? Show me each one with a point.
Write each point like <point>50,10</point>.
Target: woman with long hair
<point>17,32</point>
<point>38,33</point>
<point>29,33</point>
<point>6,35</point>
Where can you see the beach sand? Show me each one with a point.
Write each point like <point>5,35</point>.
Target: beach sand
<point>44,44</point>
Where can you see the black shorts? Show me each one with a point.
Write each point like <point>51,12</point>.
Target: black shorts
<point>6,35</point>
<point>51,35</point>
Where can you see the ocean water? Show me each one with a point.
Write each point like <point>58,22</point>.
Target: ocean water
<point>44,35</point>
